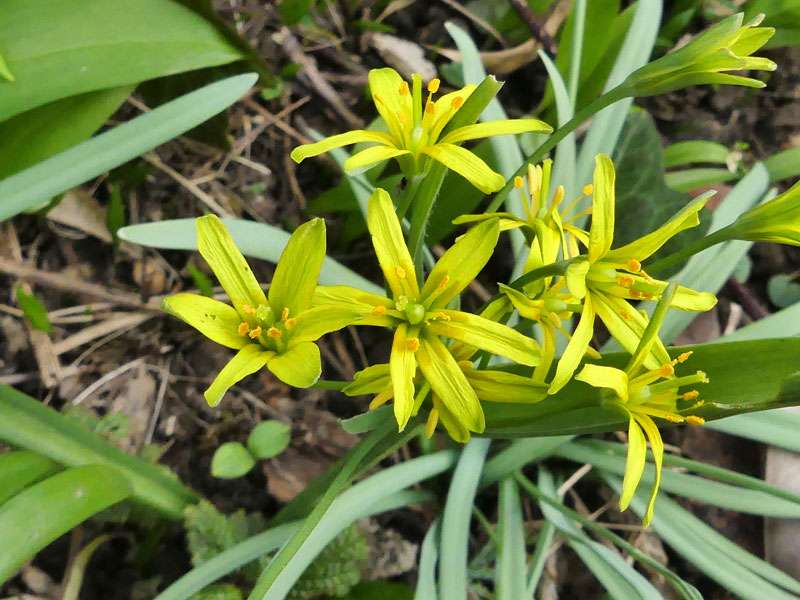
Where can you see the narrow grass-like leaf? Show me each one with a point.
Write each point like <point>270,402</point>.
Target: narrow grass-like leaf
<point>694,151</point>
<point>509,579</point>
<point>518,454</point>
<point>544,539</point>
<point>426,569</point>
<point>47,510</point>
<point>21,468</point>
<point>784,164</point>
<point>687,180</point>
<point>93,157</point>
<point>774,427</point>
<point>454,543</point>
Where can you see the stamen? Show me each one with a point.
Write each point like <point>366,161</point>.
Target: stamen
<point>588,189</point>
<point>430,425</point>
<point>457,102</point>
<point>682,358</point>
<point>400,272</point>
<point>285,313</point>
<point>625,281</point>
<point>634,266</point>
<point>430,108</point>
<point>442,316</point>
<point>558,197</point>
<point>443,283</point>
<point>695,420</point>
<point>690,395</point>
<point>254,333</point>
<point>518,183</point>
<point>403,91</point>
<point>275,333</point>
<point>433,85</point>
<point>667,370</point>
<point>248,310</point>
<point>412,344</point>
<point>674,418</point>
<point>243,328</point>
<point>291,322</point>
<point>379,310</point>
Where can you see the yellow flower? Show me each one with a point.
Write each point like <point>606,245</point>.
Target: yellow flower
<point>420,318</point>
<point>644,394</point>
<point>277,330</point>
<point>777,220</point>
<point>415,133</point>
<point>727,46</point>
<point>607,279</point>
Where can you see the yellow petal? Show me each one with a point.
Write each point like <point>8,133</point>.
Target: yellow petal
<point>576,277</point>
<point>493,128</point>
<point>689,299</point>
<point>371,156</point>
<point>449,383</point>
<point>298,269</point>
<point>601,234</point>
<point>576,348</point>
<point>390,246</point>
<point>246,362</point>
<point>657,447</point>
<point>220,252</point>
<point>460,264</point>
<point>634,464</point>
<point>372,380</point>
<point>605,377</point>
<point>373,309</point>
<point>300,366</point>
<point>214,319</point>
<point>647,245</point>
<point>356,136</point>
<point>499,386</point>
<point>403,367</point>
<point>312,324</point>
<point>487,335</point>
<point>627,325</point>
<point>468,165</point>
<point>454,427</point>
<point>394,108</point>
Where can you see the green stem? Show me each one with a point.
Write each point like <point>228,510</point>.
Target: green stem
<point>329,384</point>
<point>343,478</point>
<point>598,104</point>
<point>681,256</point>
<point>423,205</point>
<point>408,195</point>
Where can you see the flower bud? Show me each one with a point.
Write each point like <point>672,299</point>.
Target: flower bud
<point>777,220</point>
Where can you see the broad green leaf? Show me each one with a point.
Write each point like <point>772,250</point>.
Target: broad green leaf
<point>783,290</point>
<point>91,158</point>
<point>49,509</point>
<point>40,133</point>
<point>732,390</point>
<point>21,468</point>
<point>695,151</point>
<point>783,165</point>
<point>231,461</point>
<point>99,45</point>
<point>692,179</point>
<point>258,240</point>
<point>28,424</point>
<point>269,438</point>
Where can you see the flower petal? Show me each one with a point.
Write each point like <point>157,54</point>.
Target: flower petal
<point>372,380</point>
<point>356,136</point>
<point>689,299</point>
<point>460,264</point>
<point>246,362</point>
<point>403,367</point>
<point>298,269</point>
<point>627,325</point>
<point>468,165</point>
<point>493,128</point>
<point>361,161</point>
<point>214,319</point>
<point>372,308</point>
<point>647,245</point>
<point>601,234</point>
<point>605,377</point>
<point>220,252</point>
<point>487,335</point>
<point>576,277</point>
<point>312,324</point>
<point>455,428</point>
<point>499,386</point>
<point>300,366</point>
<point>657,448</point>
<point>449,383</point>
<point>390,246</point>
<point>634,463</point>
<point>576,348</point>
<point>394,108</point>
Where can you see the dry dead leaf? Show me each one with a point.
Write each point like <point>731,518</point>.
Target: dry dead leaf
<point>80,210</point>
<point>405,56</point>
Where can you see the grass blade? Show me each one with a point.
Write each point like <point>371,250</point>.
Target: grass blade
<point>510,568</point>
<point>21,468</point>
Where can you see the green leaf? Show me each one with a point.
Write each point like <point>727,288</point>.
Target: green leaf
<point>52,507</point>
<point>775,427</point>
<point>115,215</point>
<point>269,438</point>
<point>385,590</point>
<point>231,460</point>
<point>783,290</point>
<point>292,11</point>
<point>732,390</point>
<point>510,567</point>
<point>40,133</point>
<point>117,47</point>
<point>644,202</point>
<point>21,468</point>
<point>258,240</point>
<point>29,424</point>
<point>220,591</point>
<point>783,165</point>
<point>201,280</point>
<point>692,179</point>
<point>695,151</point>
<point>34,310</point>
<point>93,157</point>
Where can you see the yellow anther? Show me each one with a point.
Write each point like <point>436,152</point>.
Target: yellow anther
<point>412,344</point>
<point>666,370</point>
<point>248,310</point>
<point>683,357</point>
<point>695,420</point>
<point>433,85</point>
<point>704,377</point>
<point>443,283</point>
<point>243,328</point>
<point>254,333</point>
<point>379,310</point>
<point>625,316</point>
<point>588,189</point>
<point>442,316</point>
<point>457,102</point>
<point>291,322</point>
<point>274,332</point>
<point>647,295</point>
<point>430,108</point>
<point>634,266</point>
<point>674,418</point>
<point>430,425</point>
<point>285,313</point>
<point>635,294</point>
<point>559,195</point>
<point>690,395</point>
<point>625,281</point>
<point>400,272</point>
<point>403,91</point>
<point>518,182</point>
